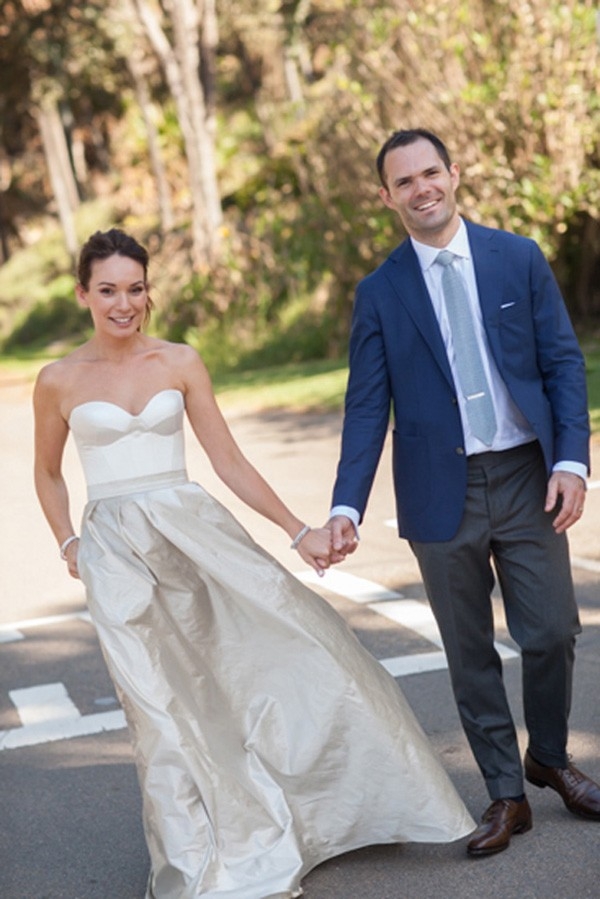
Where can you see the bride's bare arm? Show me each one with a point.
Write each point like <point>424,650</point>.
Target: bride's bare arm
<point>51,431</point>
<point>236,471</point>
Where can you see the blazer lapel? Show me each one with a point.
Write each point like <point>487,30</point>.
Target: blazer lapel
<point>404,274</point>
<point>489,274</point>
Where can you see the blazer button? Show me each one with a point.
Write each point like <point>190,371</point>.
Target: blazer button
<point>460,451</point>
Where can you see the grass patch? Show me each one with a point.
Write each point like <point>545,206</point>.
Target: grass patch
<point>307,385</point>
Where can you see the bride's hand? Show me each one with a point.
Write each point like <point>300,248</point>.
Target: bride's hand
<point>71,554</point>
<point>315,549</point>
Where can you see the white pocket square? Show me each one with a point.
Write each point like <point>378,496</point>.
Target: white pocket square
<point>507,305</point>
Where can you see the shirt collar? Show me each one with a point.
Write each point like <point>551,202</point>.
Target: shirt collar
<point>459,245</point>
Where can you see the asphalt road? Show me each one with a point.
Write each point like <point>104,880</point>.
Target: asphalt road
<point>70,806</point>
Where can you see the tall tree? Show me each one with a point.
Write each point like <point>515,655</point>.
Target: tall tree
<point>62,176</point>
<point>47,93</point>
<point>128,35</point>
<point>189,23</point>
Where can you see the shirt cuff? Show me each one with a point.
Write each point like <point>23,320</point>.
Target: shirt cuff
<point>577,468</point>
<point>350,513</point>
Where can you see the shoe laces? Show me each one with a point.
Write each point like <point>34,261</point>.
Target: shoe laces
<point>571,774</point>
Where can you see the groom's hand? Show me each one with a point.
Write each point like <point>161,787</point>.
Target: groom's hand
<point>343,538</point>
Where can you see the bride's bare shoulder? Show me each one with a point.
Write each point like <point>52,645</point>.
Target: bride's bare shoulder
<point>61,371</point>
<point>57,380</point>
<point>179,354</point>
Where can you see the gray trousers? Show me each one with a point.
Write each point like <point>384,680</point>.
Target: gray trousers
<point>504,520</point>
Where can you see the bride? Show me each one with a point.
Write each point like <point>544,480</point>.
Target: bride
<point>266,739</point>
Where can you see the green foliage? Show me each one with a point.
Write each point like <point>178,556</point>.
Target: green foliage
<point>261,325</point>
<point>56,320</point>
<point>592,362</point>
<point>285,264</point>
<point>25,276</point>
<point>43,273</point>
<point>510,84</point>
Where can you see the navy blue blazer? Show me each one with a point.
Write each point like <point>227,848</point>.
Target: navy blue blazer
<point>398,360</point>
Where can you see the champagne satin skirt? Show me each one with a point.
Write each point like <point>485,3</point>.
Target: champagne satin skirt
<point>266,738</point>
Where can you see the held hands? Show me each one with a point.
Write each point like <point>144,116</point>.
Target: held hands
<point>322,547</point>
<point>566,494</point>
<point>315,549</point>
<point>343,537</point>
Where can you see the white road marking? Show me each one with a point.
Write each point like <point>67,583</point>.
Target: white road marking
<point>47,619</point>
<point>401,666</point>
<point>48,714</point>
<point>357,589</point>
<point>587,564</point>
<point>418,617</point>
<point>10,633</point>
<point>10,636</point>
<point>412,614</point>
<point>48,702</point>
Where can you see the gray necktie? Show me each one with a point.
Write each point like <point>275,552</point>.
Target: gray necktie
<point>469,366</point>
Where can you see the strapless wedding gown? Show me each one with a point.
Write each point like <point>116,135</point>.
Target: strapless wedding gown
<point>266,738</point>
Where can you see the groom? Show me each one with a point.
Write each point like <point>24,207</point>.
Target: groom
<point>474,351</point>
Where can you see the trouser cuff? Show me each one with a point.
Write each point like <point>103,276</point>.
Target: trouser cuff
<point>551,759</point>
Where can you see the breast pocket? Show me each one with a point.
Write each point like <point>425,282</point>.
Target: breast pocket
<point>516,330</point>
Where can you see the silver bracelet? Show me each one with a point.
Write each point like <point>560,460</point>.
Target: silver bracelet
<point>64,546</point>
<point>299,537</point>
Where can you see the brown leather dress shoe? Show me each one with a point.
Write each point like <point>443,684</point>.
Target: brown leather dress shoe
<point>580,794</point>
<point>503,818</point>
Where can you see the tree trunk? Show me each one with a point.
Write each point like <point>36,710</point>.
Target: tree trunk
<point>156,163</point>
<point>4,247</point>
<point>187,27</point>
<point>60,170</point>
<point>182,71</point>
<point>209,38</point>
<point>5,178</point>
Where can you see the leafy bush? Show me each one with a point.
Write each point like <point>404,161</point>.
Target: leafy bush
<point>57,319</point>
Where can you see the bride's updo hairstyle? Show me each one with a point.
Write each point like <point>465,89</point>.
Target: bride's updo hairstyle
<point>104,244</point>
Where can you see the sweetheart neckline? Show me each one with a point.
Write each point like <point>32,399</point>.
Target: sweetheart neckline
<point>126,411</point>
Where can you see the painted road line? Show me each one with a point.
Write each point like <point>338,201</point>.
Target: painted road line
<point>48,702</point>
<point>357,589</point>
<point>43,622</point>
<point>48,714</point>
<point>418,617</point>
<point>588,564</point>
<point>7,635</point>
<point>11,633</point>
<point>419,663</point>
<point>412,614</point>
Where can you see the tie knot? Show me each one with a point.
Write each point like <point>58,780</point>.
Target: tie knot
<point>445,257</point>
